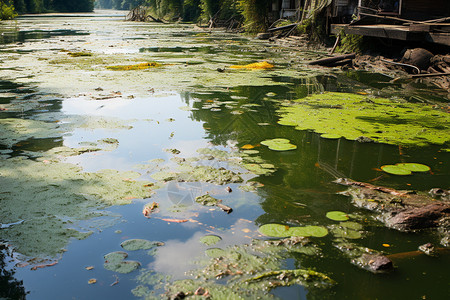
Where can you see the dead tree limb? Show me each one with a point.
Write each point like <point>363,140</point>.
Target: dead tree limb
<point>331,60</point>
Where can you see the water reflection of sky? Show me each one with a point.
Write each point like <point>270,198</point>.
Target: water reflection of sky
<point>157,122</point>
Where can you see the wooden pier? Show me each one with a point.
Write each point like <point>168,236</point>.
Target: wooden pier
<point>438,33</point>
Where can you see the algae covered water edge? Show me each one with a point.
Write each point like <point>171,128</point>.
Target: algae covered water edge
<point>104,168</point>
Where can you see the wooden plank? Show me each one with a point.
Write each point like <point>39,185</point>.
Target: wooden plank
<point>419,27</point>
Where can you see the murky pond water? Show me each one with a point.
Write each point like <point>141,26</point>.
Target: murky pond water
<point>190,127</point>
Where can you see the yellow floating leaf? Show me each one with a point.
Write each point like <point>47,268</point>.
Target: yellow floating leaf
<point>135,67</point>
<point>92,281</point>
<point>264,65</point>
<point>248,146</point>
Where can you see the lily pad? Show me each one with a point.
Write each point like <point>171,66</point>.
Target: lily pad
<point>124,267</point>
<point>395,170</point>
<point>345,232</point>
<point>316,231</point>
<point>139,244</point>
<point>279,144</point>
<point>275,141</point>
<point>275,230</point>
<point>278,230</point>
<point>210,240</point>
<point>115,257</point>
<point>414,167</point>
<point>330,136</point>
<point>351,225</point>
<point>206,200</point>
<point>337,216</point>
<point>215,252</point>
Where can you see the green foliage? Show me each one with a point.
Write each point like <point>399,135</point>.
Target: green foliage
<point>351,43</point>
<point>39,6</point>
<point>73,6</point>
<point>165,9</point>
<point>255,14</point>
<point>7,10</point>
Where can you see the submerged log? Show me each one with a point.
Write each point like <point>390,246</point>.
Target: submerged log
<point>331,60</point>
<point>401,210</point>
<point>417,218</point>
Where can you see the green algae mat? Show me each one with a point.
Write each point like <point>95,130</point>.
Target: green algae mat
<point>357,116</point>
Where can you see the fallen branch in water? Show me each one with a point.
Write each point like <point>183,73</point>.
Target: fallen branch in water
<point>330,60</point>
<point>349,182</point>
<point>44,266</point>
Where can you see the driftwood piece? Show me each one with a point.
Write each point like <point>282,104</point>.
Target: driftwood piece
<point>225,208</point>
<point>349,182</point>
<point>430,75</point>
<point>401,210</point>
<point>418,218</point>
<point>343,62</point>
<point>286,27</point>
<point>331,60</point>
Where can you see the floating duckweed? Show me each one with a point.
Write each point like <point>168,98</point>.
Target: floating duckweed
<point>78,54</point>
<point>141,66</point>
<point>379,119</point>
<point>255,66</point>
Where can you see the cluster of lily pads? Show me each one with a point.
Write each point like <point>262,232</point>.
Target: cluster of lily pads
<point>116,261</point>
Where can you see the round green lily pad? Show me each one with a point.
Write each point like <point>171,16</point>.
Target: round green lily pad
<point>414,167</point>
<point>279,144</point>
<point>337,216</point>
<point>275,141</point>
<point>139,244</point>
<point>250,151</point>
<point>115,257</point>
<point>282,147</point>
<point>351,225</point>
<point>210,239</point>
<point>395,170</point>
<point>330,136</point>
<point>124,267</point>
<point>346,233</point>
<point>316,231</point>
<point>275,230</point>
<point>215,252</point>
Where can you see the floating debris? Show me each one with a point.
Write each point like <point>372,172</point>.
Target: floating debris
<point>141,66</point>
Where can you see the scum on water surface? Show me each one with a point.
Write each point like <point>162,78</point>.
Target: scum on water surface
<point>59,142</point>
